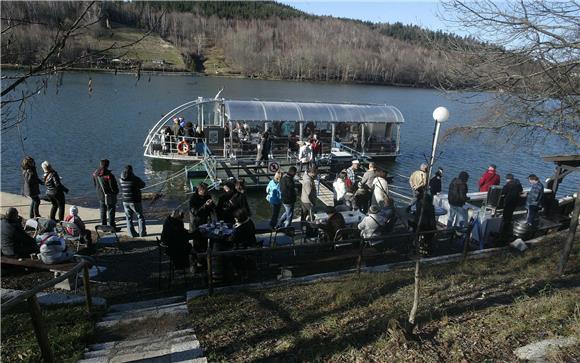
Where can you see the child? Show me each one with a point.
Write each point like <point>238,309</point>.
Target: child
<point>74,218</point>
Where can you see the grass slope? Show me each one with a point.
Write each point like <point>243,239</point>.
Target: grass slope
<point>478,313</point>
<point>69,330</point>
<point>150,49</point>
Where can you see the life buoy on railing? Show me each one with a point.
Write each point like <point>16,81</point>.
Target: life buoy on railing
<point>183,147</point>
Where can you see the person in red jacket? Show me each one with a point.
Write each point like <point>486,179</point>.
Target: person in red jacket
<point>489,178</point>
<point>316,147</point>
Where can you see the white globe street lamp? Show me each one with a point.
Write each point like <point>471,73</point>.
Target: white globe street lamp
<point>440,115</point>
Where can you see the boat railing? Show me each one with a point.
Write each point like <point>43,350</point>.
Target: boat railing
<point>168,116</point>
<point>162,144</point>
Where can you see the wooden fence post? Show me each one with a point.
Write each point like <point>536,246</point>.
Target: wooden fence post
<point>360,256</point>
<point>87,287</point>
<point>209,268</point>
<point>40,330</point>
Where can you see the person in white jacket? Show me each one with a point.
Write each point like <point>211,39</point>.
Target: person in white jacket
<point>339,188</point>
<point>304,155</point>
<point>370,226</point>
<point>53,249</point>
<point>380,189</point>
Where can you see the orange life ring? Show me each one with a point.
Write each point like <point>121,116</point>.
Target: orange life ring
<point>183,147</point>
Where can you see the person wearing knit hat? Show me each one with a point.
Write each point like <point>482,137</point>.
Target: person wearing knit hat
<point>74,217</point>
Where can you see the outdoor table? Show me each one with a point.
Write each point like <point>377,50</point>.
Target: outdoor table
<point>216,230</point>
<point>350,217</point>
<point>218,234</point>
<point>439,211</point>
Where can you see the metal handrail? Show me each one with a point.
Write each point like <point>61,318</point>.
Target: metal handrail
<point>340,146</point>
<point>376,241</point>
<point>363,242</point>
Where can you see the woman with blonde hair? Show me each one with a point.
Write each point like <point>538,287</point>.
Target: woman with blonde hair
<point>31,185</point>
<point>54,191</point>
<point>274,197</point>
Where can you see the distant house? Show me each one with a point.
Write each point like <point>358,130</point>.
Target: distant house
<point>161,62</point>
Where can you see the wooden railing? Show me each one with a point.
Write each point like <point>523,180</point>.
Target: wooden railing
<point>29,297</point>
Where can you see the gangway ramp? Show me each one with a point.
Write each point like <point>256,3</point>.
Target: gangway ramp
<point>325,194</point>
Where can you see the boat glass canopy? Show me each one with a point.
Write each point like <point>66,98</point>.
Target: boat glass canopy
<point>309,111</point>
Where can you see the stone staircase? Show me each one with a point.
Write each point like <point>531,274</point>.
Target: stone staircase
<point>152,331</point>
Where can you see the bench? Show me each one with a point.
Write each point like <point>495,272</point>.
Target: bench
<point>37,264</point>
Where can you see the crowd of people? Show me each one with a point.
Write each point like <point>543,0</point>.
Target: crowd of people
<point>355,189</point>
<point>50,246</point>
<point>512,194</point>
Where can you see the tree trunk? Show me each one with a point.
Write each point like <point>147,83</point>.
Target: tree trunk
<point>571,234</point>
<point>416,293</point>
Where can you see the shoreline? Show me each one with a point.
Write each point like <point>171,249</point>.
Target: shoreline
<point>164,72</point>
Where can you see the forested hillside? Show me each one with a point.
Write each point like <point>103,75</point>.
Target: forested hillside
<point>253,39</point>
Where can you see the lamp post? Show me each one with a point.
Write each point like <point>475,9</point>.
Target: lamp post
<point>440,115</point>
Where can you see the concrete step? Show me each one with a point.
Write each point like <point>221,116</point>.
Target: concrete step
<point>141,341</point>
<point>182,349</point>
<point>178,310</point>
<point>146,304</point>
<point>144,311</point>
<point>145,346</point>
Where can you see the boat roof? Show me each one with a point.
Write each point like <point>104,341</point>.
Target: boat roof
<point>265,111</point>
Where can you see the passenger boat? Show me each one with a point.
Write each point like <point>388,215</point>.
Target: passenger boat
<point>230,130</point>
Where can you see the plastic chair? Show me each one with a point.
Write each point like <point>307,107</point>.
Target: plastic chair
<point>287,234</point>
<point>494,199</point>
<point>345,234</point>
<point>107,236</point>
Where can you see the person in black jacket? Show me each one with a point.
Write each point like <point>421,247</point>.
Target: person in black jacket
<point>131,186</point>
<point>288,193</point>
<point>511,192</point>
<point>457,198</point>
<point>435,182</point>
<point>176,239</point>
<point>244,230</point>
<point>265,147</point>
<point>188,130</point>
<point>200,207</point>
<point>240,200</point>
<point>428,223</point>
<point>107,190</point>
<point>13,240</point>
<point>225,207</point>
<point>31,185</point>
<point>54,191</point>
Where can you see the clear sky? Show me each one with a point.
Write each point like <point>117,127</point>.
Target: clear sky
<point>422,13</point>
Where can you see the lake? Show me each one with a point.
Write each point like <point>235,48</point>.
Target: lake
<point>74,129</point>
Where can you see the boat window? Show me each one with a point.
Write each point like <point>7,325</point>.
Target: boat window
<point>268,111</point>
<point>211,114</point>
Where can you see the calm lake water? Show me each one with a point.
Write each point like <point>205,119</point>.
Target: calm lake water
<point>74,130</point>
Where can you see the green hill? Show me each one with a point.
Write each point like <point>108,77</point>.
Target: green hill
<point>251,39</point>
